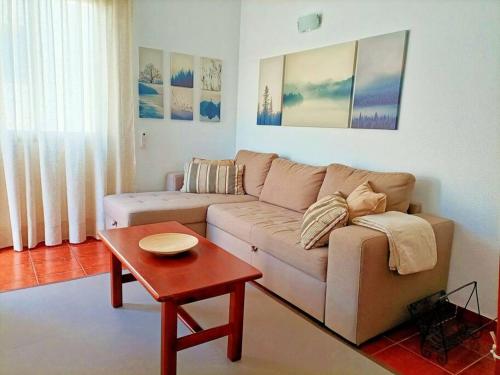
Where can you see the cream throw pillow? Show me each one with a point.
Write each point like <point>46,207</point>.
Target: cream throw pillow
<point>364,201</point>
<point>212,178</point>
<point>327,214</point>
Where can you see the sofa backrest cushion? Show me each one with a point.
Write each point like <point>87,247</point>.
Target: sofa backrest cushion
<point>292,185</point>
<point>397,186</point>
<point>257,165</point>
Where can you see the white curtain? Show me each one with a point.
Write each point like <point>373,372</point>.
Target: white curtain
<point>66,117</point>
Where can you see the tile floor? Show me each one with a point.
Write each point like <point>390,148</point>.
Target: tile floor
<point>44,265</point>
<point>397,349</point>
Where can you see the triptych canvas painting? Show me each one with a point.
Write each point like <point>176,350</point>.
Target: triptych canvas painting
<point>355,84</point>
<point>182,78</point>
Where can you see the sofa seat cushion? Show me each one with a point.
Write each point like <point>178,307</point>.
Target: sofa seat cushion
<point>238,219</point>
<point>282,240</point>
<point>273,229</point>
<point>398,186</point>
<point>147,208</point>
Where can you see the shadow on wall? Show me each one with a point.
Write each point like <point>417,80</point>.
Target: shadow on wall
<point>468,245</point>
<point>464,266</point>
<point>428,193</point>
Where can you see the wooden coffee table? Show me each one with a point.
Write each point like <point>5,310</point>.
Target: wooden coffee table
<point>203,272</point>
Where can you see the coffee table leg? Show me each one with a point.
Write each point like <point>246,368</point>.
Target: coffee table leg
<point>236,307</point>
<point>168,338</point>
<point>116,281</point>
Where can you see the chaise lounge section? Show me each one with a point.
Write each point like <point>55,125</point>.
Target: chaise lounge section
<point>347,285</point>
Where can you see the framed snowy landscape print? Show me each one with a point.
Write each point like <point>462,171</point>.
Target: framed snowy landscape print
<point>181,86</point>
<point>181,103</point>
<point>210,106</point>
<point>150,83</point>
<point>210,74</point>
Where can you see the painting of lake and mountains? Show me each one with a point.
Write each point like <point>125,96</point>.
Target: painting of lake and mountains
<point>150,83</point>
<point>181,70</point>
<point>318,86</point>
<point>379,72</point>
<point>270,91</point>
<point>210,106</point>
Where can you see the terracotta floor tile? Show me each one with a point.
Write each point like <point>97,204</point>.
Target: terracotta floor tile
<point>88,241</point>
<point>51,253</point>
<point>412,343</point>
<point>375,345</point>
<point>96,270</point>
<point>474,318</point>
<point>62,276</point>
<point>91,249</point>
<point>458,357</point>
<point>25,282</point>
<point>485,366</point>
<point>401,332</point>
<point>11,272</point>
<point>38,246</point>
<point>9,257</point>
<point>407,363</point>
<point>481,345</point>
<point>94,261</point>
<point>56,266</point>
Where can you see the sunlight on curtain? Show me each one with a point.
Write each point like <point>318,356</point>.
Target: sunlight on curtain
<point>66,117</point>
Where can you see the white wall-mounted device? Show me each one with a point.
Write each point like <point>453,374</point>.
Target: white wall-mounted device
<point>309,22</point>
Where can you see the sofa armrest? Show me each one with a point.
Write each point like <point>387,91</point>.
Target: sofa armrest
<point>174,181</point>
<point>363,297</point>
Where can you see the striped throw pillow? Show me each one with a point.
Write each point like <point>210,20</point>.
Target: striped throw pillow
<point>208,161</point>
<point>215,161</point>
<point>212,178</point>
<point>327,214</point>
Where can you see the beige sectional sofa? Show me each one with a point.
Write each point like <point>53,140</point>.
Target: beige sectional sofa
<point>347,285</point>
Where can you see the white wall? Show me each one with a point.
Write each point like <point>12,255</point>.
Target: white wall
<point>449,127</point>
<point>201,28</point>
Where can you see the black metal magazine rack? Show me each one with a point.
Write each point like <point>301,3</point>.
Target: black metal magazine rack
<point>441,324</point>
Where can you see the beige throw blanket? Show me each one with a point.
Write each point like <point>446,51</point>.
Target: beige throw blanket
<point>412,244</point>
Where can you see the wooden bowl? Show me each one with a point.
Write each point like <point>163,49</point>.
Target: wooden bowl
<point>168,243</point>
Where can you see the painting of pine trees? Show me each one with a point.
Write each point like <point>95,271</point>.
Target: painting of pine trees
<point>379,72</point>
<point>270,91</point>
<point>349,85</point>
<point>181,70</point>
